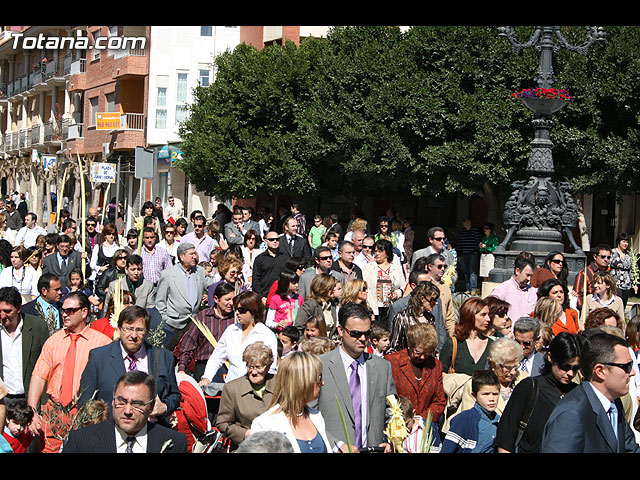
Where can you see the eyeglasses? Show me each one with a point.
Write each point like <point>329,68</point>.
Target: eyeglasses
<point>627,367</point>
<point>259,368</point>
<point>357,333</point>
<point>122,257</point>
<point>169,232</point>
<point>273,239</point>
<point>524,343</point>
<point>558,262</point>
<point>70,310</point>
<point>242,310</point>
<point>197,226</point>
<point>128,329</point>
<point>120,402</point>
<point>367,247</point>
<point>439,239</point>
<point>324,258</point>
<point>605,257</point>
<point>91,224</point>
<point>508,368</point>
<point>441,267</point>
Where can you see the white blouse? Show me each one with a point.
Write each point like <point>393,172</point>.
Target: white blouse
<point>25,280</point>
<point>231,347</point>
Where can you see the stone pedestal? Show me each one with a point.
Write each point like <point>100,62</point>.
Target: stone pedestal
<point>504,263</point>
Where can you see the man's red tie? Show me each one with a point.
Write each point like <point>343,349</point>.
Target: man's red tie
<point>66,391</point>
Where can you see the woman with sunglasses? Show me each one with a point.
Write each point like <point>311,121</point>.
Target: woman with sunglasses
<point>249,328</point>
<point>622,270</point>
<point>297,383</point>
<point>115,271</point>
<point>498,315</point>
<point>384,278</point>
<point>554,266</point>
<point>104,251</point>
<point>562,362</point>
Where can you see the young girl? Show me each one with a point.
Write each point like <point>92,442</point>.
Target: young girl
<point>75,282</point>
<point>315,327</point>
<point>284,305</point>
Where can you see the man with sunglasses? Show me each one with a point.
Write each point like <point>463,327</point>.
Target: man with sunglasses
<point>590,418</point>
<point>204,243</point>
<point>600,263</point>
<point>526,332</point>
<point>359,380</point>
<point>60,365</point>
<point>268,265</point>
<point>130,352</point>
<point>129,429</point>
<point>323,261</point>
<point>437,240</point>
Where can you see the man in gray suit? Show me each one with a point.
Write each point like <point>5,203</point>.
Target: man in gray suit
<point>361,383</point>
<point>64,260</point>
<point>133,282</point>
<point>234,230</point>
<point>323,264</point>
<point>179,295</point>
<point>437,238</point>
<point>526,332</point>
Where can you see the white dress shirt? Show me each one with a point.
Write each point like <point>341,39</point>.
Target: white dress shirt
<point>12,359</point>
<point>140,445</point>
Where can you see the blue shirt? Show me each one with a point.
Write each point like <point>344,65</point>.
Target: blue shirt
<point>45,308</point>
<point>487,428</point>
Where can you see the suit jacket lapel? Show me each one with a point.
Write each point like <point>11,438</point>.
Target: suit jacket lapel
<point>117,362</point>
<point>27,340</point>
<point>372,384</point>
<point>336,370</point>
<point>602,418</point>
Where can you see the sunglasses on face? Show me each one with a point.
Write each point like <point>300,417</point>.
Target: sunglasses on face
<point>573,368</point>
<point>275,239</point>
<point>627,367</point>
<point>439,239</point>
<point>605,257</point>
<point>557,262</point>
<point>357,333</point>
<point>70,310</point>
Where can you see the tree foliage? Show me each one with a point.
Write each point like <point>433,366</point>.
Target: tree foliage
<point>374,109</point>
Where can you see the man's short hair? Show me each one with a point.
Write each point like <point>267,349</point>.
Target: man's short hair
<point>184,247</point>
<point>69,222</point>
<point>134,259</point>
<point>132,313</point>
<point>292,333</point>
<point>83,300</point>
<point>527,324</point>
<point>344,243</point>
<point>11,295</point>
<point>64,238</point>
<point>431,258</point>
<point>194,214</point>
<point>320,250</point>
<point>137,377</point>
<point>355,310</point>
<point>414,276</point>
<point>598,348</point>
<point>45,281</point>
<point>223,289</point>
<point>600,248</point>
<point>149,229</point>
<point>522,262</point>
<point>200,218</point>
<point>33,216</point>
<point>433,230</point>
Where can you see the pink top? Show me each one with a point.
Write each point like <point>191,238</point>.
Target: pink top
<point>280,309</point>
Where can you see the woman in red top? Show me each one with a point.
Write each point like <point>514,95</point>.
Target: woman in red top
<point>103,325</point>
<point>566,318</point>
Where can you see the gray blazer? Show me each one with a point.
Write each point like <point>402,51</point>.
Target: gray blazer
<point>172,299</point>
<point>50,264</point>
<point>145,296</point>
<point>379,385</point>
<point>425,252</point>
<point>233,235</point>
<point>304,286</point>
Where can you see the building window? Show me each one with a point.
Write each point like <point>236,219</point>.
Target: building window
<point>161,108</point>
<point>206,31</point>
<point>181,98</point>
<point>204,78</point>
<point>111,102</point>
<point>94,110</point>
<point>96,52</point>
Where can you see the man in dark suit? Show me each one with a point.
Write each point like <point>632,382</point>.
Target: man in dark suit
<point>360,381</point>
<point>47,306</point>
<point>590,418</point>
<point>16,364</point>
<point>526,332</point>
<point>64,260</point>
<point>131,352</point>
<point>292,244</point>
<point>129,430</point>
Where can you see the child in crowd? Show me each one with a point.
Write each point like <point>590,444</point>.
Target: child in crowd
<point>289,336</point>
<point>316,233</point>
<point>315,327</point>
<point>331,241</point>
<point>416,427</point>
<point>506,330</point>
<point>284,305</point>
<point>317,345</point>
<point>16,430</point>
<point>380,337</point>
<point>474,430</point>
<point>546,335</point>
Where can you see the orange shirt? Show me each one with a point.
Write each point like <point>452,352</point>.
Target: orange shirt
<point>51,361</point>
<point>572,325</point>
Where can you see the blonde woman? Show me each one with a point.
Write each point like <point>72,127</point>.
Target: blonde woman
<point>297,383</point>
<point>358,225</point>
<point>319,302</point>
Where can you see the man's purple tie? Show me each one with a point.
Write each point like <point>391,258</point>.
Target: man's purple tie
<point>356,399</point>
<point>132,362</point>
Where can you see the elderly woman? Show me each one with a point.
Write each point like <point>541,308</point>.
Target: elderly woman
<point>471,340</point>
<point>230,269</point>
<point>250,328</point>
<point>319,302</point>
<point>604,294</point>
<point>247,397</point>
<point>384,278</point>
<point>562,318</point>
<point>421,302</point>
<point>562,362</point>
<point>417,373</point>
<point>503,360</point>
<point>297,382</point>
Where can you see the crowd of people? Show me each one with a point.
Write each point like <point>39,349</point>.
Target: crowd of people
<point>311,332</point>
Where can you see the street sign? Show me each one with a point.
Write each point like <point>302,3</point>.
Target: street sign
<point>144,163</point>
<point>108,120</point>
<point>101,172</point>
<point>48,161</point>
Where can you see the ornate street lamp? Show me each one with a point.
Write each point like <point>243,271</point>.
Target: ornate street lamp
<point>539,210</point>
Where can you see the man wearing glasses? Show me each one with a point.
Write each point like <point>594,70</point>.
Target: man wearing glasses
<point>60,365</point>
<point>323,264</point>
<point>590,418</point>
<point>268,265</point>
<point>526,331</point>
<point>359,380</point>
<point>204,243</point>
<point>131,352</point>
<point>437,239</point>
<point>600,263</point>
<point>129,430</point>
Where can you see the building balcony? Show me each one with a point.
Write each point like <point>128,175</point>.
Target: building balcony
<point>131,132</point>
<point>71,130</point>
<point>37,134</point>
<point>130,62</point>
<point>77,75</point>
<point>53,132</point>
